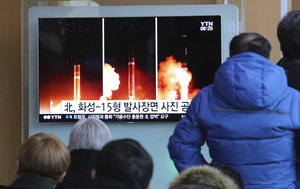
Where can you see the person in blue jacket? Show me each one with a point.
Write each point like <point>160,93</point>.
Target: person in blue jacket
<point>247,118</point>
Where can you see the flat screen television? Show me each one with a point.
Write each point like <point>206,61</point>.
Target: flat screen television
<point>124,63</point>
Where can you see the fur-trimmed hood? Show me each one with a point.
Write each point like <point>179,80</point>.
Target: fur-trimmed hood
<point>204,175</point>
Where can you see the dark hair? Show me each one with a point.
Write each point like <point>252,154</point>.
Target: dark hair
<point>288,33</point>
<point>125,160</point>
<point>250,42</point>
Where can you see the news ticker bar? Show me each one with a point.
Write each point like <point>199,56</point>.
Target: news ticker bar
<point>111,117</point>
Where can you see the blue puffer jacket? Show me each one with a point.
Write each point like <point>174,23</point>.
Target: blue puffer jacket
<point>248,119</point>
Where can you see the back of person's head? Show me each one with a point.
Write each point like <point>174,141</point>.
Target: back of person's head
<point>44,155</point>
<point>89,133</point>
<point>250,42</point>
<point>203,177</point>
<point>288,33</point>
<point>126,161</point>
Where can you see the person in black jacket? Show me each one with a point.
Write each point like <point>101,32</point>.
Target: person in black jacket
<point>42,162</point>
<point>123,164</point>
<point>288,33</point>
<point>87,137</point>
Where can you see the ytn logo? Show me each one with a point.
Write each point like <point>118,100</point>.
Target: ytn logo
<point>207,26</point>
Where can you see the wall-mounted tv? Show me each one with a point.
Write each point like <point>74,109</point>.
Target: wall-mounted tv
<point>124,63</point>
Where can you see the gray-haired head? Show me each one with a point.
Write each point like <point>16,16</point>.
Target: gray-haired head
<point>89,133</point>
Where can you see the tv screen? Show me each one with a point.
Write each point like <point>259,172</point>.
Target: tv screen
<point>125,68</point>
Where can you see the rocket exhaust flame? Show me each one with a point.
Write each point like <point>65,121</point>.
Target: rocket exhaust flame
<point>173,80</point>
<point>111,81</point>
<point>184,80</point>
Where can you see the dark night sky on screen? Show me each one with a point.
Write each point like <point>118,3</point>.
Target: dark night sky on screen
<point>64,42</point>
<point>70,40</point>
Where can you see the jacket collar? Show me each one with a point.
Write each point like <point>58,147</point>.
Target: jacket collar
<point>31,181</point>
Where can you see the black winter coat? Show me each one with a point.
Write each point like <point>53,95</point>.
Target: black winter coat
<point>101,182</point>
<point>292,69</point>
<point>29,181</point>
<point>78,175</point>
